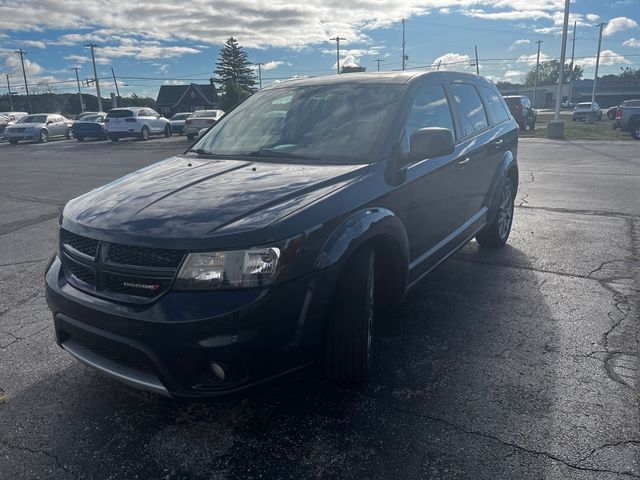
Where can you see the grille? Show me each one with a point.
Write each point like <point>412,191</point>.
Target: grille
<point>83,273</point>
<point>20,130</point>
<point>84,245</point>
<point>144,257</point>
<point>139,274</point>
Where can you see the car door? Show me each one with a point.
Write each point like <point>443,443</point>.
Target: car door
<point>477,146</point>
<point>437,207</point>
<point>54,126</point>
<point>156,121</point>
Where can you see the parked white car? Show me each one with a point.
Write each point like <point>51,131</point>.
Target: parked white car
<point>39,127</point>
<point>15,116</point>
<point>201,119</point>
<point>177,122</point>
<point>139,122</point>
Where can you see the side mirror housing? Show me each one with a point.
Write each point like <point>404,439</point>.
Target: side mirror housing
<point>431,142</point>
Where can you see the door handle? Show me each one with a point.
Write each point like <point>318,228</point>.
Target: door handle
<point>464,162</point>
<point>499,143</point>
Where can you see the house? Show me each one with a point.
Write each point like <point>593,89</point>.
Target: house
<point>186,98</point>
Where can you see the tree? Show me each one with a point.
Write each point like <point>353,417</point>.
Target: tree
<point>233,94</point>
<point>625,73</point>
<point>233,66</point>
<point>549,72</point>
<point>353,69</point>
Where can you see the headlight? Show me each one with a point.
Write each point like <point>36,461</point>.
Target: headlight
<point>255,267</point>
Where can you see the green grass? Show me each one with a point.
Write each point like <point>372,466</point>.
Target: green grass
<point>577,130</point>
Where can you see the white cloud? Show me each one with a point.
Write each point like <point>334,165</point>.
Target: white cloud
<point>519,43</point>
<point>618,24</point>
<point>444,11</point>
<point>607,57</point>
<point>12,62</point>
<point>349,61</point>
<point>33,43</point>
<point>531,59</point>
<point>513,75</point>
<point>592,17</point>
<point>273,64</point>
<point>631,43</point>
<point>452,61</point>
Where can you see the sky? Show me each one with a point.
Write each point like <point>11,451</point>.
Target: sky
<point>149,44</point>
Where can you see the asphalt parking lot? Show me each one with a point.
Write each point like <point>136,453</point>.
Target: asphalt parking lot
<point>512,364</point>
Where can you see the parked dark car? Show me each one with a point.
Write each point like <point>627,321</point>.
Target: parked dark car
<point>91,126</point>
<point>628,118</point>
<point>522,111</point>
<point>277,240</point>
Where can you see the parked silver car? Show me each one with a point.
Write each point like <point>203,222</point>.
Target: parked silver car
<point>40,128</point>
<point>201,119</point>
<point>582,110</point>
<point>4,123</point>
<point>15,116</point>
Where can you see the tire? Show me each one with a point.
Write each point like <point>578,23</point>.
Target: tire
<point>43,137</point>
<point>190,137</point>
<point>13,142</point>
<point>144,134</point>
<point>348,354</point>
<point>167,131</point>
<point>496,234</point>
<point>635,131</point>
<point>69,134</point>
<point>114,139</point>
<point>80,139</point>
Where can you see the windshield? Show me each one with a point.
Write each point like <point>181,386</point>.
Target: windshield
<point>181,116</point>
<point>334,123</point>
<point>34,119</point>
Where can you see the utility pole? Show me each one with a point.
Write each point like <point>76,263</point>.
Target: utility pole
<point>477,64</point>
<point>573,54</point>
<point>260,74</point>
<point>404,55</point>
<point>10,94</point>
<point>535,81</point>
<point>595,77</point>
<point>95,74</point>
<point>24,74</point>
<point>378,62</point>
<point>555,128</point>
<point>115,81</point>
<point>79,91</point>
<point>439,63</point>
<point>337,40</point>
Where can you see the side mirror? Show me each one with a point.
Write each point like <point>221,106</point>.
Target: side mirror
<point>431,142</point>
<point>49,122</point>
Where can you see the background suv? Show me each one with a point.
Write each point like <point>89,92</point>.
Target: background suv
<point>522,111</point>
<point>138,122</point>
<point>281,236</point>
<point>628,117</point>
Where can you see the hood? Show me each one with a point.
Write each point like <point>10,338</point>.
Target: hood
<point>186,199</point>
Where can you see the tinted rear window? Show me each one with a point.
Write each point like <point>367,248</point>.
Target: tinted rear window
<point>119,114</point>
<point>469,108</point>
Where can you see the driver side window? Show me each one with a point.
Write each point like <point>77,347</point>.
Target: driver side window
<point>429,108</point>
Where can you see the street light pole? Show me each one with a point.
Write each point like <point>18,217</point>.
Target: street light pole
<point>337,40</point>
<point>404,55</point>
<point>535,81</point>
<point>555,128</point>
<point>573,54</point>
<point>95,74</point>
<point>477,64</point>
<point>595,77</point>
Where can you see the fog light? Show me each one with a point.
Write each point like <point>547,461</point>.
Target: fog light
<point>218,371</point>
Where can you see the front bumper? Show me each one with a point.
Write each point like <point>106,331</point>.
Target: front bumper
<point>167,347</point>
<point>21,136</point>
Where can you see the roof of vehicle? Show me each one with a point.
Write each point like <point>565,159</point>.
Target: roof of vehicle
<point>395,77</point>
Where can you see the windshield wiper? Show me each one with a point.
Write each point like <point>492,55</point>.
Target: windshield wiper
<point>270,153</point>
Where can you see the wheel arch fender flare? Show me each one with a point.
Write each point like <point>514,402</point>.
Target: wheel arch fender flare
<point>361,227</point>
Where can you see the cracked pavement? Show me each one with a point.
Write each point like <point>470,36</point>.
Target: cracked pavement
<point>513,364</point>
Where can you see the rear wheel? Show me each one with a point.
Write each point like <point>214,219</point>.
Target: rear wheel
<point>635,130</point>
<point>69,134</point>
<point>167,131</point>
<point>348,354</point>
<point>43,137</point>
<point>496,234</point>
<point>144,133</point>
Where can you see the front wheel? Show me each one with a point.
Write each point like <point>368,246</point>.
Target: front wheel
<point>44,136</point>
<point>635,131</point>
<point>144,134</point>
<point>496,234</point>
<point>348,354</point>
<point>532,125</point>
<point>69,134</point>
<point>167,131</point>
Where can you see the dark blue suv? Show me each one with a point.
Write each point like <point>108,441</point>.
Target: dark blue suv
<point>280,236</point>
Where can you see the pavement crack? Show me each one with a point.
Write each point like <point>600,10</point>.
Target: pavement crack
<point>41,451</point>
<point>608,445</point>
